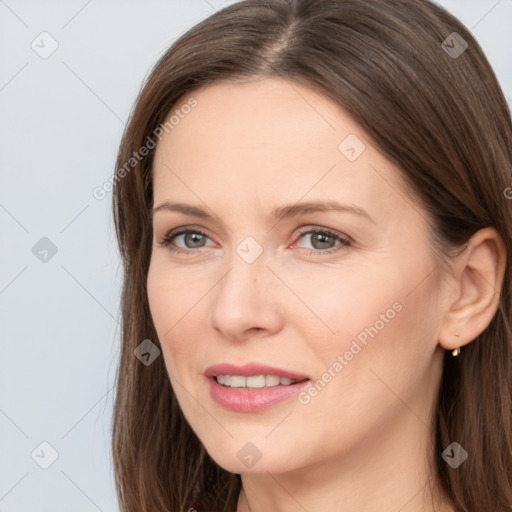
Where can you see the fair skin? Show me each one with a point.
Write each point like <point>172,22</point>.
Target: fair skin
<point>360,444</point>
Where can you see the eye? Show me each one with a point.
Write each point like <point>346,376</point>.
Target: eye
<point>323,241</point>
<point>189,239</point>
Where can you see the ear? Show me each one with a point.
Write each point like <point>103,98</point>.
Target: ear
<point>475,293</point>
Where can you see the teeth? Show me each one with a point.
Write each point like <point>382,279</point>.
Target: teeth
<point>236,382</point>
<point>272,380</point>
<point>255,381</point>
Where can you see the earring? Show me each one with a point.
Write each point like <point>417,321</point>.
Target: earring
<point>456,351</point>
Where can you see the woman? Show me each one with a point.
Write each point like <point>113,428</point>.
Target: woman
<point>316,237</point>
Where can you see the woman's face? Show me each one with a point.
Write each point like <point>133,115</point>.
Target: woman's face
<point>298,249</point>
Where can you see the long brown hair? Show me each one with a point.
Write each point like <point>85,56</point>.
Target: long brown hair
<point>433,109</point>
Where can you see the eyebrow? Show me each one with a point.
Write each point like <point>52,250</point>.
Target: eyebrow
<point>280,213</point>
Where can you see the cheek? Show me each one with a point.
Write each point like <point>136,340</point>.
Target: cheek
<point>166,301</point>
<point>160,300</point>
<point>341,300</point>
<point>377,318</point>
<point>171,294</point>
<point>177,302</point>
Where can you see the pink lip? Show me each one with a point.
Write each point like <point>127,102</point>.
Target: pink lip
<point>252,400</point>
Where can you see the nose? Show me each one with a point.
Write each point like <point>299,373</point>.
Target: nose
<point>246,302</point>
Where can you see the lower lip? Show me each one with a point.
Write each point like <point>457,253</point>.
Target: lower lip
<point>252,400</point>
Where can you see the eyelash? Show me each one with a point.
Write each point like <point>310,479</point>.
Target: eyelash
<point>344,241</point>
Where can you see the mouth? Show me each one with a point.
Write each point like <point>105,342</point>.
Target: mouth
<point>253,375</point>
<point>253,387</point>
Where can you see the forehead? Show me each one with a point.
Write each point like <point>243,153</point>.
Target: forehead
<point>270,141</point>
<point>265,117</point>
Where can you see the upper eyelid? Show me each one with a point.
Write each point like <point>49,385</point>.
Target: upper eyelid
<point>185,229</point>
<point>307,230</point>
<point>300,231</point>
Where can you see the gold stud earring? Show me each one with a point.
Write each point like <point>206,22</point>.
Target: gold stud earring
<point>456,351</point>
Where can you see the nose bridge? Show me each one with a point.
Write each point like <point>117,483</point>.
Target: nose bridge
<point>248,273</point>
<point>243,299</point>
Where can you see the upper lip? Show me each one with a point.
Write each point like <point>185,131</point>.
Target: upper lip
<point>251,369</point>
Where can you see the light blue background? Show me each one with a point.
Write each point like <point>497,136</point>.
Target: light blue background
<point>61,121</point>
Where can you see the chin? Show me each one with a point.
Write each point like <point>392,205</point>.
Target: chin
<point>245,457</point>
